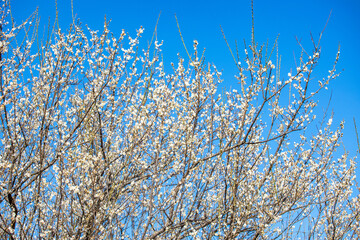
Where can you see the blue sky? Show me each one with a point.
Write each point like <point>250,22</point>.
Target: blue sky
<point>200,20</point>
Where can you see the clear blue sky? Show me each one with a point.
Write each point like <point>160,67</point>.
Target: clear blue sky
<point>200,20</point>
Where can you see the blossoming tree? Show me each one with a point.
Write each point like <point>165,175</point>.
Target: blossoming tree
<point>99,142</point>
